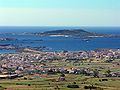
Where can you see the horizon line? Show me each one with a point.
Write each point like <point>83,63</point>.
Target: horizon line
<point>56,26</point>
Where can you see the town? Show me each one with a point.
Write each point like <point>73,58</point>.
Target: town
<point>32,64</point>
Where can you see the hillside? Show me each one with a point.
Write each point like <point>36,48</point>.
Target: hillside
<point>72,33</point>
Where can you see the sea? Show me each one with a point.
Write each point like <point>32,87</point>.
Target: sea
<point>58,43</point>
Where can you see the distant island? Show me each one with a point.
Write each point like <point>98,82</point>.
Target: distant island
<point>80,33</point>
<point>73,33</point>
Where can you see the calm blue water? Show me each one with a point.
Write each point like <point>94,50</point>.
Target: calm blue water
<point>60,43</point>
<point>112,30</point>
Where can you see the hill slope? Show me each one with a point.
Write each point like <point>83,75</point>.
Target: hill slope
<point>74,32</point>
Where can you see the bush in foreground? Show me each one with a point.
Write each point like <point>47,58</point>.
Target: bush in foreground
<point>72,86</point>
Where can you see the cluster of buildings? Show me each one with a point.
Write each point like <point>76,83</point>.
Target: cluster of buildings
<point>20,64</point>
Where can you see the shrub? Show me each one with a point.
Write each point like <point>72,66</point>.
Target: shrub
<point>90,87</point>
<point>29,84</point>
<point>73,86</point>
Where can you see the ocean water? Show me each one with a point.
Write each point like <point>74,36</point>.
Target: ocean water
<point>59,43</point>
<point>109,30</point>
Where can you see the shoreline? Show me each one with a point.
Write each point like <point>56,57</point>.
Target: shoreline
<point>36,50</point>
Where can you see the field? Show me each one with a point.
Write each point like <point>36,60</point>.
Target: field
<point>51,82</point>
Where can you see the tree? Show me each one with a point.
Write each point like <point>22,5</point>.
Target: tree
<point>108,73</point>
<point>62,75</point>
<point>96,73</point>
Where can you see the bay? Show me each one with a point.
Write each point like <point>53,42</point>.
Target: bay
<point>59,43</point>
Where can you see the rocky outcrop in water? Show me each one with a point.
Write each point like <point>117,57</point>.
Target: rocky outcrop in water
<point>7,39</point>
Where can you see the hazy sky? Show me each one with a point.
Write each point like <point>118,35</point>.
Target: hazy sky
<point>60,12</point>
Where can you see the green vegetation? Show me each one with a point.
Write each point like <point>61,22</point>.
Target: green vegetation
<point>50,84</point>
<point>72,81</point>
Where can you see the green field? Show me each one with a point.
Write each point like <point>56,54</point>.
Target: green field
<point>50,82</point>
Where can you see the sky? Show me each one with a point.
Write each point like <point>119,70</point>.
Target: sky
<point>59,12</point>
